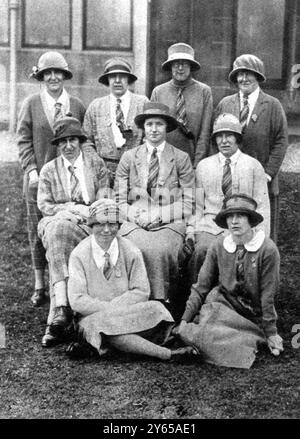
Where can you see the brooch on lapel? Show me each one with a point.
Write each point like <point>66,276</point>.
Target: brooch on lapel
<point>254,117</point>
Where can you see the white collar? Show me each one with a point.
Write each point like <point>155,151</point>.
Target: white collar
<point>77,164</point>
<point>98,252</point>
<point>124,98</point>
<point>159,148</point>
<point>63,98</point>
<point>233,159</point>
<point>251,246</point>
<point>252,97</point>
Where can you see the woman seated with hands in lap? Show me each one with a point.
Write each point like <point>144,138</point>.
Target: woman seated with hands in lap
<point>108,287</point>
<point>231,306</point>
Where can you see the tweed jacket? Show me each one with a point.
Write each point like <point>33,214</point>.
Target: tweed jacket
<point>261,268</point>
<point>266,136</point>
<point>176,178</point>
<point>35,133</point>
<point>248,177</point>
<point>52,194</point>
<point>199,109</point>
<point>97,126</point>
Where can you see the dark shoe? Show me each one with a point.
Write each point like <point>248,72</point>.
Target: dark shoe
<point>39,297</point>
<point>61,321</point>
<point>48,339</point>
<point>185,353</point>
<point>78,351</point>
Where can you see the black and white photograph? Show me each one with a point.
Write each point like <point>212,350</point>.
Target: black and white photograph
<point>150,207</point>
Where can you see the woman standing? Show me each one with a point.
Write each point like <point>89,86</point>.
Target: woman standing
<point>35,132</point>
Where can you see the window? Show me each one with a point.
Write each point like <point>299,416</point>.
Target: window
<point>47,23</point>
<point>4,23</point>
<point>261,32</point>
<point>107,25</point>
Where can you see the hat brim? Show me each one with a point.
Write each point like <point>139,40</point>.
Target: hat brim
<point>254,217</point>
<point>39,76</point>
<point>167,64</point>
<point>103,79</point>
<point>172,123</point>
<point>82,138</point>
<point>223,130</point>
<point>233,74</point>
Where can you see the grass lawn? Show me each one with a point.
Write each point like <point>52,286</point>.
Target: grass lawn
<point>44,383</point>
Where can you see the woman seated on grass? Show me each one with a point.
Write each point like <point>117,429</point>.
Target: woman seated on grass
<point>109,288</point>
<point>231,306</point>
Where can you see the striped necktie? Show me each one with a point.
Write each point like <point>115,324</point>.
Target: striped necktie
<point>153,171</point>
<point>76,194</point>
<point>227,179</point>
<point>240,253</point>
<point>181,111</point>
<point>107,267</point>
<point>120,116</point>
<point>244,112</point>
<point>58,113</point>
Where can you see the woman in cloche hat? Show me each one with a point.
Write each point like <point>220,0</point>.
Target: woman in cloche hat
<point>231,310</point>
<point>35,132</point>
<point>108,287</point>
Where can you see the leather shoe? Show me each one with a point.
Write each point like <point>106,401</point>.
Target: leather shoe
<point>48,339</point>
<point>62,319</point>
<point>77,351</point>
<point>39,297</point>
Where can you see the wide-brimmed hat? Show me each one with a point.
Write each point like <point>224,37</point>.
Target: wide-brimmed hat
<point>156,109</point>
<point>227,122</point>
<point>67,127</point>
<point>181,51</point>
<point>238,203</point>
<point>105,211</point>
<point>248,62</point>
<point>114,66</point>
<point>51,60</point>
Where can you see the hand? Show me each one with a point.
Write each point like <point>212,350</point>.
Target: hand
<point>82,210</point>
<point>275,344</point>
<point>179,328</point>
<point>69,216</point>
<point>33,177</point>
<point>269,178</point>
<point>154,223</point>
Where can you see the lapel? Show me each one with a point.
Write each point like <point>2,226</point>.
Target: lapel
<point>167,161</point>
<point>46,111</point>
<point>141,164</point>
<point>235,105</point>
<point>62,177</point>
<point>106,111</point>
<point>258,109</point>
<point>131,112</point>
<point>88,177</point>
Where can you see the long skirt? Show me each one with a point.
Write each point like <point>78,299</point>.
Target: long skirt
<point>224,337</point>
<point>150,320</point>
<point>161,252</point>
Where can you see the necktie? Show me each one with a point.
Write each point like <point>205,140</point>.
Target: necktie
<point>181,111</point>
<point>227,179</point>
<point>240,253</point>
<point>58,113</point>
<point>119,116</point>
<point>107,267</point>
<point>244,112</point>
<point>76,194</point>
<point>153,171</point>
